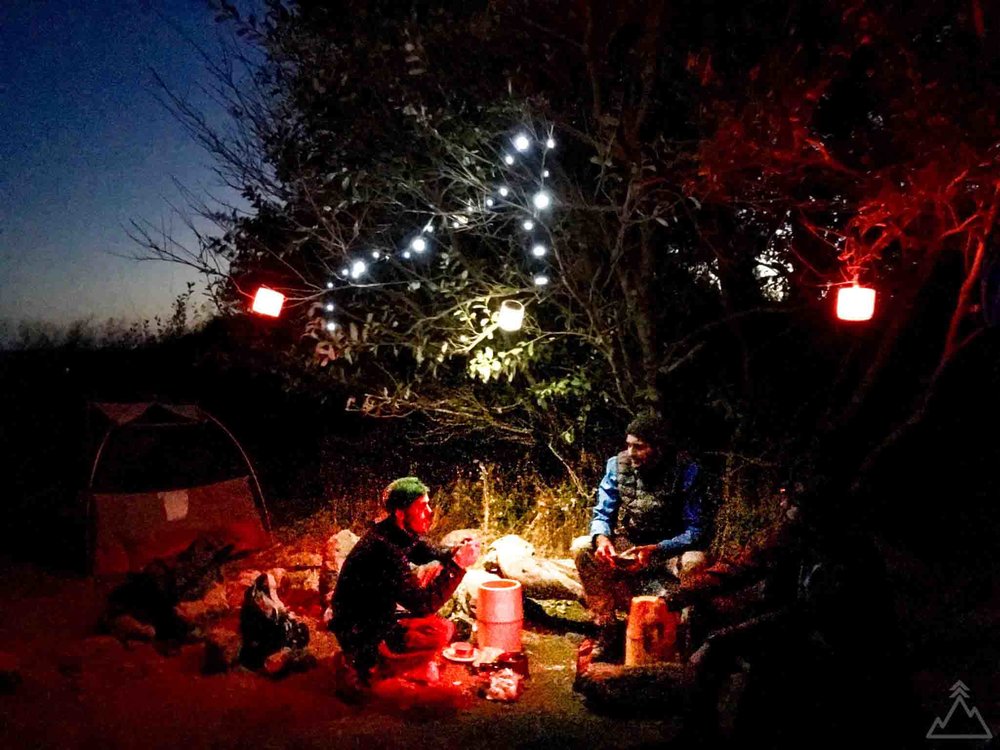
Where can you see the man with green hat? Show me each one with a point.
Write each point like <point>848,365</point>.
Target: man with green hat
<point>393,582</point>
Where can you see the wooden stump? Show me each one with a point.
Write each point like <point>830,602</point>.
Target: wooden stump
<point>651,635</point>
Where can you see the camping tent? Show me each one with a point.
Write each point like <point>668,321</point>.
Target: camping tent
<point>162,475</point>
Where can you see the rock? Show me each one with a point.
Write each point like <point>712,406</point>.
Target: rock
<point>213,604</point>
<point>10,673</point>
<point>454,538</point>
<point>513,557</point>
<point>222,650</point>
<point>300,589</point>
<point>337,548</point>
<point>127,628</point>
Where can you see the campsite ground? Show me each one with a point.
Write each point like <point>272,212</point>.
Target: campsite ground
<point>79,690</point>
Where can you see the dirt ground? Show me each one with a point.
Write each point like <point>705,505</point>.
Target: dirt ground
<point>79,690</point>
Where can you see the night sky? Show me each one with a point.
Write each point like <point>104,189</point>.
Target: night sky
<point>85,146</point>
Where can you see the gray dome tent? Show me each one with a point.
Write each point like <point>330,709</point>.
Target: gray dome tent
<point>162,475</point>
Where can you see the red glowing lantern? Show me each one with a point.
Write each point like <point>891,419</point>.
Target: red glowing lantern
<point>268,302</point>
<point>855,302</point>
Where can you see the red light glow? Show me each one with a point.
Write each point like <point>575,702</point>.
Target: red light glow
<point>855,302</point>
<point>268,302</point>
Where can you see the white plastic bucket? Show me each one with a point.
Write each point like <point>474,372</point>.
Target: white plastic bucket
<point>499,614</point>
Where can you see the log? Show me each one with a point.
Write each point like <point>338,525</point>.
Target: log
<point>540,578</point>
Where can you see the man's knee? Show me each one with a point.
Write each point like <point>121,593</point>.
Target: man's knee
<point>692,561</point>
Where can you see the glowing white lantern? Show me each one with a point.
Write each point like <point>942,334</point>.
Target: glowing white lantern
<point>539,250</point>
<point>508,159</point>
<point>504,191</point>
<point>329,307</point>
<point>541,280</point>
<point>550,143</point>
<point>542,200</point>
<point>528,225</point>
<point>522,142</point>
<point>268,302</point>
<point>419,244</point>
<point>358,267</point>
<point>511,315</point>
<point>331,326</point>
<point>855,302</point>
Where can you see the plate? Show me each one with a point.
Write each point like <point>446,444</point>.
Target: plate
<point>451,656</point>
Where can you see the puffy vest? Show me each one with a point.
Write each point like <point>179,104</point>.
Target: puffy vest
<point>652,509</point>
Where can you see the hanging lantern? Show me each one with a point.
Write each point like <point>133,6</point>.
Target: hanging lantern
<point>855,302</point>
<point>511,315</point>
<point>268,302</point>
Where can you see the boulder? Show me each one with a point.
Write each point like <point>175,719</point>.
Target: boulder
<point>513,557</point>
<point>337,547</point>
<point>300,589</point>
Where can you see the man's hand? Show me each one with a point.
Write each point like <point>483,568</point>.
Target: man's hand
<point>466,553</point>
<point>425,574</point>
<point>641,556</point>
<point>604,550</point>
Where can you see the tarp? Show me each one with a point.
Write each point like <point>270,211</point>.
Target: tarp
<point>134,528</point>
<point>122,414</point>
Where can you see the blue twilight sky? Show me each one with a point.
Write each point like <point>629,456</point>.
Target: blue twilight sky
<point>85,147</point>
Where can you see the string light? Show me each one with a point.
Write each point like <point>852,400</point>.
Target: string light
<point>542,200</point>
<point>503,197</point>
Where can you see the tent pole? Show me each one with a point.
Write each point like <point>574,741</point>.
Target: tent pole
<point>246,459</point>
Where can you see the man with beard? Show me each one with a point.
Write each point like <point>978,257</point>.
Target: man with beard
<point>391,585</point>
<point>647,526</point>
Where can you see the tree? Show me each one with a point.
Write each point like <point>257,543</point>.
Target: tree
<point>716,175</point>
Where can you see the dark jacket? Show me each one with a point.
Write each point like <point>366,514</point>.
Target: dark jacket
<point>376,577</point>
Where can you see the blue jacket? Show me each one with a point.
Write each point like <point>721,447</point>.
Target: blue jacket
<point>605,514</point>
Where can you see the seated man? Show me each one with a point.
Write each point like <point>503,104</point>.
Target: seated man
<point>393,582</point>
<point>650,509</point>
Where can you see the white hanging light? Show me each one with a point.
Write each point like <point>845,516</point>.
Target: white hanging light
<point>419,244</point>
<point>550,143</point>
<point>489,203</point>
<point>331,326</point>
<point>406,254</point>
<point>508,159</point>
<point>358,268</point>
<point>545,173</point>
<point>541,200</point>
<point>522,142</point>
<point>541,280</point>
<point>528,225</point>
<point>329,307</point>
<point>511,315</point>
<point>504,191</point>
<point>539,250</point>
<point>329,285</point>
